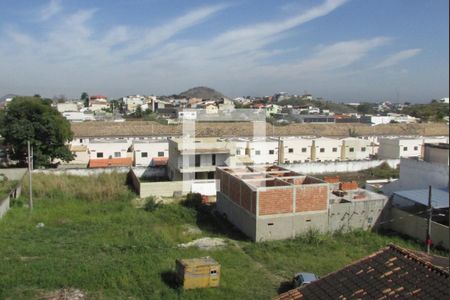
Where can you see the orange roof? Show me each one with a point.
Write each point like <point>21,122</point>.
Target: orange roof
<point>160,161</point>
<point>110,162</point>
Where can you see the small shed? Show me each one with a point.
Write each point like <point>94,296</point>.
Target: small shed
<point>198,272</point>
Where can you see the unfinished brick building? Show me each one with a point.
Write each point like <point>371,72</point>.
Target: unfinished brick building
<point>270,202</point>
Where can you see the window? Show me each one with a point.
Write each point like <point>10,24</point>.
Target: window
<point>116,154</point>
<point>197,160</point>
<point>322,150</point>
<point>213,272</point>
<point>238,152</point>
<point>351,149</point>
<point>363,149</point>
<point>334,149</point>
<point>271,151</point>
<point>213,159</point>
<point>161,154</point>
<point>416,148</point>
<point>81,140</point>
<point>257,152</point>
<point>291,150</point>
<point>405,148</point>
<point>99,154</point>
<point>144,154</point>
<point>369,220</point>
<point>269,224</point>
<point>304,150</point>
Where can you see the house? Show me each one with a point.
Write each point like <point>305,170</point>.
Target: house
<point>67,106</point>
<point>80,156</point>
<point>197,158</point>
<point>132,102</point>
<point>108,148</point>
<point>211,109</point>
<point>295,149</point>
<point>151,152</point>
<point>444,100</point>
<point>326,149</point>
<point>271,110</point>
<point>78,116</point>
<point>399,147</point>
<point>355,149</point>
<point>263,150</point>
<point>272,203</point>
<point>433,172</point>
<point>390,273</point>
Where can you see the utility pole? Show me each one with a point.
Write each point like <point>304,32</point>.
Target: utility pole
<point>430,214</point>
<point>30,169</point>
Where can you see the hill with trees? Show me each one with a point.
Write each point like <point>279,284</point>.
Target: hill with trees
<point>201,92</point>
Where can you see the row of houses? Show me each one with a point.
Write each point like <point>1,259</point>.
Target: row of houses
<point>211,152</point>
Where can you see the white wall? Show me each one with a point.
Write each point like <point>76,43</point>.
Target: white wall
<point>418,174</point>
<point>151,150</point>
<point>264,148</point>
<point>108,149</point>
<point>297,149</point>
<point>331,148</point>
<point>338,166</point>
<point>399,147</point>
<point>355,149</point>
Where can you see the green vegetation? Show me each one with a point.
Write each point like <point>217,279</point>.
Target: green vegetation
<point>33,119</point>
<point>6,186</point>
<point>95,240</point>
<point>322,104</point>
<point>433,112</point>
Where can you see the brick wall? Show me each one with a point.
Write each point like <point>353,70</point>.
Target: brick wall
<point>276,201</point>
<point>347,186</point>
<point>246,196</point>
<point>235,189</point>
<point>329,179</point>
<point>311,198</point>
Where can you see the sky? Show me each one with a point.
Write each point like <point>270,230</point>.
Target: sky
<point>341,50</point>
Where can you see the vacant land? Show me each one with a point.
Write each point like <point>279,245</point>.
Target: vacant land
<point>222,129</point>
<point>92,239</point>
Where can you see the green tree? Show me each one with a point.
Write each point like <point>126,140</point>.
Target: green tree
<point>33,119</point>
<point>85,98</point>
<point>138,113</point>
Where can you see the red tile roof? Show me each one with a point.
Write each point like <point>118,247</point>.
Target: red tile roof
<point>392,272</point>
<point>110,162</point>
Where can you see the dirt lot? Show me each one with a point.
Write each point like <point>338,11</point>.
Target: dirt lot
<point>226,129</point>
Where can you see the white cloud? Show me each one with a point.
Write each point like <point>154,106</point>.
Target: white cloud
<point>51,9</point>
<point>398,57</point>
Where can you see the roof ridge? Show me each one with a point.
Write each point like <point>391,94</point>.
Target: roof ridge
<point>417,259</point>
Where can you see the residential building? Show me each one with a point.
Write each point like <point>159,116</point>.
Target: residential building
<point>390,273</point>
<point>80,156</point>
<point>263,150</point>
<point>295,149</point>
<point>211,109</point>
<point>151,152</point>
<point>436,153</point>
<point>191,158</point>
<point>132,102</point>
<point>105,149</point>
<point>355,149</point>
<point>271,202</point>
<point>67,106</point>
<point>399,147</point>
<point>326,149</point>
<point>78,116</point>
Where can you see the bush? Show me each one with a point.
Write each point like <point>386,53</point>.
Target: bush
<point>151,204</point>
<point>193,200</point>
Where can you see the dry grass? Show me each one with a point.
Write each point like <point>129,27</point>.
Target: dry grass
<point>103,187</point>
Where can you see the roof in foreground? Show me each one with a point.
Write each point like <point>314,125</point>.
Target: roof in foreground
<point>439,198</point>
<point>392,272</point>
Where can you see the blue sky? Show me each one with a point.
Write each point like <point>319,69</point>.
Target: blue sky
<point>342,50</point>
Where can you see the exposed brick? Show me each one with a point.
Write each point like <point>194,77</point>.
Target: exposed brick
<point>311,198</point>
<point>277,201</point>
<point>330,179</point>
<point>347,186</point>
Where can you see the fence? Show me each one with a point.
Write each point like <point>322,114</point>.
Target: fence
<point>416,227</point>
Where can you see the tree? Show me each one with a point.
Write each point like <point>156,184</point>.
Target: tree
<point>33,119</point>
<point>138,113</point>
<point>85,98</point>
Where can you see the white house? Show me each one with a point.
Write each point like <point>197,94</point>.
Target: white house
<point>296,149</point>
<point>78,116</point>
<point>149,152</point>
<point>67,106</point>
<point>263,150</point>
<point>326,149</point>
<point>355,149</point>
<point>108,148</point>
<point>399,147</point>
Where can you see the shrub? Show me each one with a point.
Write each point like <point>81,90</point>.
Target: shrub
<point>151,204</point>
<point>193,200</point>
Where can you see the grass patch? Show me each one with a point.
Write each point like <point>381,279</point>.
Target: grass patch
<point>96,241</point>
<point>6,186</point>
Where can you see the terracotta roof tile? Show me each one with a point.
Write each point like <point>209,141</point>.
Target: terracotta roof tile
<point>392,272</point>
<point>110,162</point>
